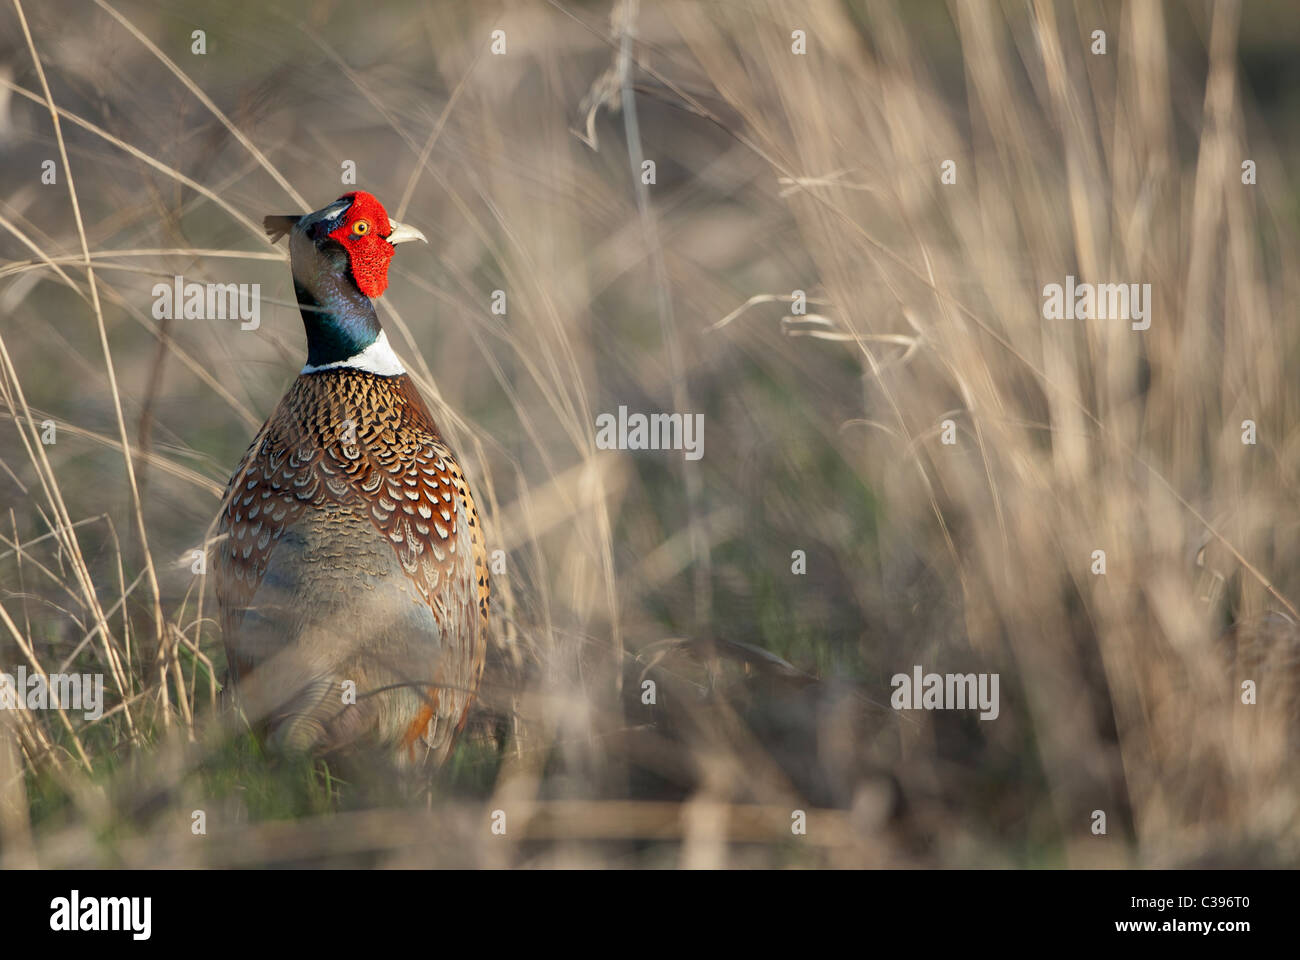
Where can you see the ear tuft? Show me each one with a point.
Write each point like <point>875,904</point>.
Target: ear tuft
<point>278,225</point>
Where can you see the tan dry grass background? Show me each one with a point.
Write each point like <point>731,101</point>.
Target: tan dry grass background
<point>775,172</point>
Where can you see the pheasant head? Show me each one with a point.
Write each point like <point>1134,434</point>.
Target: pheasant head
<point>340,256</point>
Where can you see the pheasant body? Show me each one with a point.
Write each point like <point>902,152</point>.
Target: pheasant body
<point>351,558</point>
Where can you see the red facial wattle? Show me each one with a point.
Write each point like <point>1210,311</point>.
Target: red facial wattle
<point>362,233</point>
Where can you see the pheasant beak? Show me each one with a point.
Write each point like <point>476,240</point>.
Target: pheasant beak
<point>401,233</point>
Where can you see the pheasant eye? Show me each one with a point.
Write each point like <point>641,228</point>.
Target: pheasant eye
<point>361,228</point>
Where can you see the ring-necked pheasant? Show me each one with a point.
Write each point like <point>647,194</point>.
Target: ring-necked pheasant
<point>352,550</point>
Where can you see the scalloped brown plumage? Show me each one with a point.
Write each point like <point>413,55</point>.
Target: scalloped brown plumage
<point>351,549</point>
